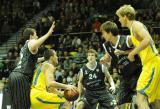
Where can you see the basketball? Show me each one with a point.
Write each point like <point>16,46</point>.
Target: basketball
<point>71,95</point>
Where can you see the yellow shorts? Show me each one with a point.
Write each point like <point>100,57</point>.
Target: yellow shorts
<point>45,100</point>
<point>149,81</point>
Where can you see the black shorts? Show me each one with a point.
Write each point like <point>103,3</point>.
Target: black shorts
<point>105,99</point>
<point>126,91</point>
<point>19,87</point>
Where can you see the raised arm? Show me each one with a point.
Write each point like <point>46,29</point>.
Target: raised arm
<point>36,43</point>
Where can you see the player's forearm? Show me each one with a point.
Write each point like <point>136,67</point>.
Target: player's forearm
<point>57,85</point>
<point>111,82</point>
<point>41,40</point>
<point>80,88</point>
<point>55,91</point>
<point>145,42</point>
<point>127,51</point>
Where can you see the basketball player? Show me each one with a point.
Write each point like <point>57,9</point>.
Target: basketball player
<point>129,71</point>
<point>21,76</point>
<point>44,93</point>
<point>148,86</point>
<point>92,77</point>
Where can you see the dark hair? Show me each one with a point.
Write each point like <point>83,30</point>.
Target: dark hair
<point>48,53</point>
<point>27,32</point>
<point>109,26</point>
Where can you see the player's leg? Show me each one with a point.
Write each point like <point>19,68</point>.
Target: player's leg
<point>142,101</point>
<point>45,100</point>
<point>80,105</point>
<point>107,100</point>
<point>19,90</point>
<point>90,100</point>
<point>124,95</point>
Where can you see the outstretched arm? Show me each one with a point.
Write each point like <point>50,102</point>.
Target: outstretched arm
<point>35,44</point>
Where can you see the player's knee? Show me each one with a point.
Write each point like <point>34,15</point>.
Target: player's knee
<point>140,99</point>
<point>80,105</point>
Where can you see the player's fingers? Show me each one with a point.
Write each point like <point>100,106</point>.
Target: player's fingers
<point>74,89</point>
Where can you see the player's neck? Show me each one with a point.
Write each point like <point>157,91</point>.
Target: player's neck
<point>114,40</point>
<point>50,62</point>
<point>92,64</point>
<point>130,23</point>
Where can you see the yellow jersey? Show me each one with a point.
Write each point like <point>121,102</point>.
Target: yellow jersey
<point>148,53</point>
<point>39,80</point>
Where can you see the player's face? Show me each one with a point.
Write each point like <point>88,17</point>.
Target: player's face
<point>122,20</point>
<point>105,35</point>
<point>91,57</point>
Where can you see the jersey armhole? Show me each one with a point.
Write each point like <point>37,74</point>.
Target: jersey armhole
<point>127,41</point>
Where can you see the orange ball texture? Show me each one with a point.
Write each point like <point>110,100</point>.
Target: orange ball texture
<point>71,95</point>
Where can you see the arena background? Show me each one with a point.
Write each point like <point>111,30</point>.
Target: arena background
<point>77,29</point>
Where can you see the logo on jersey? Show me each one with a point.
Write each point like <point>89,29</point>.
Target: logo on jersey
<point>97,70</point>
<point>86,72</point>
<point>119,46</point>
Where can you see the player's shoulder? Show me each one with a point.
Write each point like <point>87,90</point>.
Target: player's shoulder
<point>137,24</point>
<point>47,65</point>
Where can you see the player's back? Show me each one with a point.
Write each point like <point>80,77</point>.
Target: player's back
<point>39,80</point>
<point>27,62</point>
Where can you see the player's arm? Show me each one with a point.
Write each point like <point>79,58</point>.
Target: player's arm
<point>105,59</point>
<point>122,52</point>
<point>41,59</point>
<point>109,78</point>
<point>80,85</point>
<point>36,43</point>
<point>50,80</point>
<point>129,45</point>
<point>142,34</point>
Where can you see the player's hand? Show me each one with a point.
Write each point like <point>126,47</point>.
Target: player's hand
<point>61,93</point>
<point>119,52</point>
<point>112,89</point>
<point>131,57</point>
<point>72,87</point>
<point>105,59</point>
<point>51,28</point>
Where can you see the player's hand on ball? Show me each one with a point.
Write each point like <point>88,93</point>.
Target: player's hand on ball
<point>71,94</point>
<point>61,93</point>
<point>72,88</point>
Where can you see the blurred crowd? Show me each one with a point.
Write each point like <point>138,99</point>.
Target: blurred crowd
<point>77,30</point>
<point>15,13</point>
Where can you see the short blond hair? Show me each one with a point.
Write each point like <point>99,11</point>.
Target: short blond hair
<point>127,10</point>
<point>92,51</point>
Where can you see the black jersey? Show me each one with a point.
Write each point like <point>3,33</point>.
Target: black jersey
<point>93,79</point>
<point>121,62</point>
<point>27,62</point>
